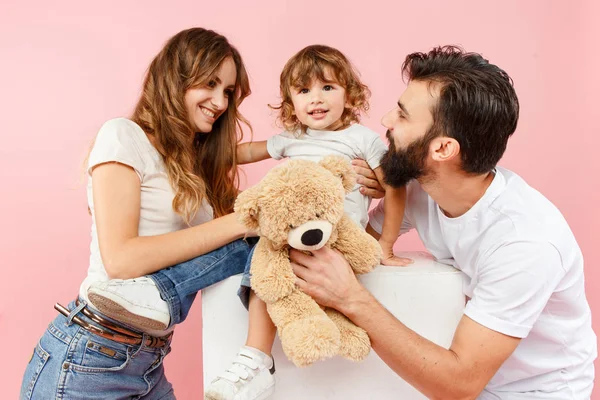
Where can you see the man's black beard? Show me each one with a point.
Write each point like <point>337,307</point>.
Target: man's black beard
<point>403,165</point>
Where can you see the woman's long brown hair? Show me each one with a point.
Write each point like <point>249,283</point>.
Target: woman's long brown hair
<point>199,165</point>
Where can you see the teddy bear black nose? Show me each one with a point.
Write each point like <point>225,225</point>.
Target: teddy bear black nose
<point>312,237</point>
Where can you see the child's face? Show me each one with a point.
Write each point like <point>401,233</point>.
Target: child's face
<point>320,106</point>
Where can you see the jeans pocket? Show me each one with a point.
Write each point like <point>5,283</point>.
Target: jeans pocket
<point>39,358</point>
<point>99,358</point>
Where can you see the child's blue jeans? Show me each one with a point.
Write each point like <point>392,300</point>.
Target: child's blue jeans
<point>180,283</point>
<point>245,288</point>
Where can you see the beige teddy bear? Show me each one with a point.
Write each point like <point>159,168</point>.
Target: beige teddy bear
<point>300,204</point>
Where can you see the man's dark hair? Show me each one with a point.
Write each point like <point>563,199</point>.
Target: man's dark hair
<point>477,106</point>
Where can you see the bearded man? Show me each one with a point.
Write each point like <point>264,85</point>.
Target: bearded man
<point>526,331</point>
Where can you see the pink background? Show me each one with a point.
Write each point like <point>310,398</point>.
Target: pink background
<point>66,68</point>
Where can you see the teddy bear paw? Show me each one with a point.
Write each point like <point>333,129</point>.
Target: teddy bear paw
<point>310,339</point>
<point>355,344</point>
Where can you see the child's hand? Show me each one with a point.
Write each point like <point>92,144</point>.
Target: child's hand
<point>388,258</point>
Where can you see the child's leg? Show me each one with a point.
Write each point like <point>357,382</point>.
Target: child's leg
<point>250,375</point>
<point>261,330</point>
<point>179,284</point>
<point>137,301</point>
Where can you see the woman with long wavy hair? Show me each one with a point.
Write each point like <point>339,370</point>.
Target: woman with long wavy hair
<point>161,189</point>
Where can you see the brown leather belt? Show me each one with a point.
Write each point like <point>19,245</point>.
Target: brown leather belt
<point>117,333</point>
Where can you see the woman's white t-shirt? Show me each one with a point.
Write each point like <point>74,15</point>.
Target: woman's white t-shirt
<point>122,140</point>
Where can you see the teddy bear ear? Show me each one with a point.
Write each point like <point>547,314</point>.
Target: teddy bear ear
<point>246,207</point>
<point>341,168</point>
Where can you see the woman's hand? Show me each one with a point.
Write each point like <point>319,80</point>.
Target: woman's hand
<point>366,177</point>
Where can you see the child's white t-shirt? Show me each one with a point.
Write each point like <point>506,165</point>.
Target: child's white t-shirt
<point>123,141</point>
<point>523,273</point>
<point>356,141</point>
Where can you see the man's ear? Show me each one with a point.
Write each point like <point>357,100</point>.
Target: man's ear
<point>246,207</point>
<point>342,169</point>
<point>444,148</point>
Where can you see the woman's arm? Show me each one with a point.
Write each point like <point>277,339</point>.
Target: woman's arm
<point>125,254</point>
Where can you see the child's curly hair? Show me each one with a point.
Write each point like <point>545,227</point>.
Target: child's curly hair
<point>312,62</point>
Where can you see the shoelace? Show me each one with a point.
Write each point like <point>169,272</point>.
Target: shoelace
<point>243,367</point>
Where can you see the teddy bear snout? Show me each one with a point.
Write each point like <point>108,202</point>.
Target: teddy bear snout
<point>311,235</point>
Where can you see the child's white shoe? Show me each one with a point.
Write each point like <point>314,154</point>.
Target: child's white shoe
<point>249,377</point>
<point>135,302</point>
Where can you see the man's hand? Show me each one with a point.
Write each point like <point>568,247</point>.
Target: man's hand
<point>327,277</point>
<point>460,372</point>
<point>366,177</point>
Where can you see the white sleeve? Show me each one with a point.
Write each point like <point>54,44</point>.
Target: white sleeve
<point>513,286</point>
<point>376,219</point>
<point>116,142</point>
<point>375,150</point>
<point>276,146</point>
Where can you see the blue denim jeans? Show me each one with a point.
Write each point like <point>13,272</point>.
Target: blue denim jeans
<point>245,288</point>
<point>179,284</point>
<point>71,363</point>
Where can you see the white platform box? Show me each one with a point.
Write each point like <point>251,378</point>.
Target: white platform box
<point>427,297</point>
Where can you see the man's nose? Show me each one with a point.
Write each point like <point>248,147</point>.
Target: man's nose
<point>387,119</point>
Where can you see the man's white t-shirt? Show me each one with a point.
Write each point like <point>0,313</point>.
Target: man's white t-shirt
<point>356,141</point>
<point>123,141</point>
<point>523,273</point>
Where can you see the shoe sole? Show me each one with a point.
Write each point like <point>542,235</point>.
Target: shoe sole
<point>117,312</point>
<point>267,393</point>
<point>263,396</point>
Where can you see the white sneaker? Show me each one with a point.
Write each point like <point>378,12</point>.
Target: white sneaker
<point>250,377</point>
<point>136,302</point>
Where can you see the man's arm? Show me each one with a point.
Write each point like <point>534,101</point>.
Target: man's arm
<point>460,372</point>
<point>366,177</point>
